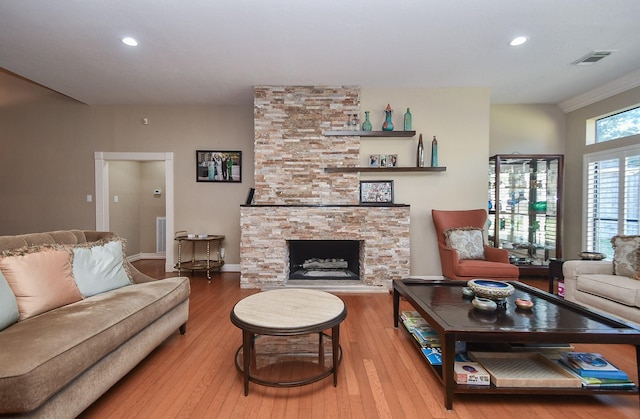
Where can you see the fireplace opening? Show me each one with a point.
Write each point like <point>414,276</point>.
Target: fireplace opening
<point>324,259</point>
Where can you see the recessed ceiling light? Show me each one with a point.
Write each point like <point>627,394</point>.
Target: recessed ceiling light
<point>130,41</point>
<point>518,41</point>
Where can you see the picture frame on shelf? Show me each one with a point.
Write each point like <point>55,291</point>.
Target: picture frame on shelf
<point>219,166</point>
<point>390,160</point>
<point>376,192</point>
<point>374,160</point>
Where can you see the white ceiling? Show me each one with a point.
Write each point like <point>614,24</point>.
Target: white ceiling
<point>215,51</point>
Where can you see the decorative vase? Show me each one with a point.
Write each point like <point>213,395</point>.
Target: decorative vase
<point>420,153</point>
<point>366,125</point>
<point>434,152</point>
<point>388,123</point>
<point>407,120</point>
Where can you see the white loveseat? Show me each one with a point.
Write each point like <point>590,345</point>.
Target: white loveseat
<point>593,284</point>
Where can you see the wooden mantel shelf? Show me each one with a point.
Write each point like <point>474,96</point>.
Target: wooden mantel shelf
<point>369,133</point>
<point>383,169</point>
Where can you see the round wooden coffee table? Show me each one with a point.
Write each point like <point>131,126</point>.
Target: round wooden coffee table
<point>288,312</point>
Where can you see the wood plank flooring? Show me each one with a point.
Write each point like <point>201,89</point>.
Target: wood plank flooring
<point>382,375</point>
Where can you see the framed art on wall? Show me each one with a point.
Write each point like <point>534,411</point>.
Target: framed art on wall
<point>376,191</point>
<point>218,166</point>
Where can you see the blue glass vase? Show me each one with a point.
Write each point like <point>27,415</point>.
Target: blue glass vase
<point>366,125</point>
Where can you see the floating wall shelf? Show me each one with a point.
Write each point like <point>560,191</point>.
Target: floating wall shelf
<point>370,133</point>
<point>383,169</point>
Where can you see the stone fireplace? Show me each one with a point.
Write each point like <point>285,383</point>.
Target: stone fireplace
<point>324,259</point>
<point>295,200</point>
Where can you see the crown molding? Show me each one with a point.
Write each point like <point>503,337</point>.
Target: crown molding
<point>607,90</point>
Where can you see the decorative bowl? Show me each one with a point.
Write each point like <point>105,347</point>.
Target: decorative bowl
<point>467,292</point>
<point>524,303</point>
<point>592,255</point>
<point>487,288</point>
<point>484,304</point>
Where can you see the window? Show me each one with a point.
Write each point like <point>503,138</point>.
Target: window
<point>619,125</point>
<point>612,197</point>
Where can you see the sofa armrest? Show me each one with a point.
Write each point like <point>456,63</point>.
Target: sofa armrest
<point>571,269</point>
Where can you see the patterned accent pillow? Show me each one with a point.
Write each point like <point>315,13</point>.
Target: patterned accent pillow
<point>467,241</point>
<point>626,256</point>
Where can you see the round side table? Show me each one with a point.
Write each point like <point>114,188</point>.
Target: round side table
<point>288,312</point>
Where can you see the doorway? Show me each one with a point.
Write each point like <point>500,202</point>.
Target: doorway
<point>102,160</point>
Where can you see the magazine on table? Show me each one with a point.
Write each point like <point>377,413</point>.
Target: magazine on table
<point>588,364</point>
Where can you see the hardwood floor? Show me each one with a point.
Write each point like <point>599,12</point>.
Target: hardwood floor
<point>382,375</point>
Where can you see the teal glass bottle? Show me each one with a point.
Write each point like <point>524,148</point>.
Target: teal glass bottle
<point>366,125</point>
<point>434,152</point>
<point>407,120</point>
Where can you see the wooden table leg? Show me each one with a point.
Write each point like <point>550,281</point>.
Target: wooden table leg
<point>335,341</point>
<point>448,359</point>
<point>247,339</point>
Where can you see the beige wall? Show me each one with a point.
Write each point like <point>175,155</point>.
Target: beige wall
<point>576,148</point>
<point>134,215</point>
<point>460,120</point>
<point>48,154</point>
<point>527,129</point>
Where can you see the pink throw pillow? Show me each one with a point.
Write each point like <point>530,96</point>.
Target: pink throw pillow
<point>41,281</point>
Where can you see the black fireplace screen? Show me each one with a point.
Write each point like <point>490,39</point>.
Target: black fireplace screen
<point>324,259</point>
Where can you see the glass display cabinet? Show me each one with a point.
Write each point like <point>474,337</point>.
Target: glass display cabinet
<point>525,207</point>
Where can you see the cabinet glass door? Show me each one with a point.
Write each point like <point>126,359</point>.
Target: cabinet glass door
<point>525,206</point>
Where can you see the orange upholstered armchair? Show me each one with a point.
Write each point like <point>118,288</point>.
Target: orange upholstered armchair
<point>490,262</point>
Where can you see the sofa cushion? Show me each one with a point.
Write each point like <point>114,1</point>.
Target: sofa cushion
<point>99,267</point>
<point>626,256</point>
<point>8,306</point>
<point>43,354</point>
<point>620,289</point>
<point>41,279</point>
<point>467,241</point>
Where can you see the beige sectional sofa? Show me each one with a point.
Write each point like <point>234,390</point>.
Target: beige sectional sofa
<point>593,284</point>
<point>55,363</point>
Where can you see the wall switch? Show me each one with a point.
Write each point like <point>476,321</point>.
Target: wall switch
<point>116,199</point>
<point>89,198</point>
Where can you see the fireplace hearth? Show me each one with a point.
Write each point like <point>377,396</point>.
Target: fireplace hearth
<point>324,259</point>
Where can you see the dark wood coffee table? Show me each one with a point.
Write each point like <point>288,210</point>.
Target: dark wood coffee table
<point>552,320</point>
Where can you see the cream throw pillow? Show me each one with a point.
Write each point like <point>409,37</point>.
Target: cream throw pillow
<point>467,241</point>
<point>626,256</point>
<point>41,281</point>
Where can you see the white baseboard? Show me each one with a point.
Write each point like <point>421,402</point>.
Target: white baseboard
<point>141,256</point>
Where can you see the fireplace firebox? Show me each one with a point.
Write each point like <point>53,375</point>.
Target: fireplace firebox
<point>324,259</point>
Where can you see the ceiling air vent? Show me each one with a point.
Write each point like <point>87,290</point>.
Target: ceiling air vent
<point>592,57</point>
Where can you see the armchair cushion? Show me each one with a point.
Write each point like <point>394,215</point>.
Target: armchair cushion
<point>626,256</point>
<point>467,241</point>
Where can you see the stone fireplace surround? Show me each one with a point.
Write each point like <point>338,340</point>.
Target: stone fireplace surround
<point>296,200</point>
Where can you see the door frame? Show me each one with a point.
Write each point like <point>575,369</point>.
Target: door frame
<point>102,159</point>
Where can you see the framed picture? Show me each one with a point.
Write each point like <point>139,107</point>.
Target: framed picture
<point>374,160</point>
<point>249,200</point>
<point>390,160</point>
<point>218,166</point>
<point>376,191</point>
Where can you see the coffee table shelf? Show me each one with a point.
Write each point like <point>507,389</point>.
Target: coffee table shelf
<point>434,300</point>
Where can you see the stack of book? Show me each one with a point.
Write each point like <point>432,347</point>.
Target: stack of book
<point>595,371</point>
<point>426,337</point>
